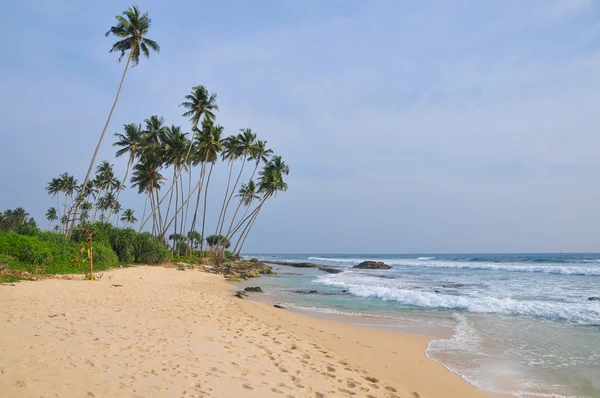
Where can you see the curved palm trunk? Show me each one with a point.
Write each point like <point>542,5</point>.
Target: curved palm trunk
<point>201,184</point>
<point>217,231</point>
<point>122,185</point>
<point>176,205</point>
<point>89,172</point>
<point>164,231</point>
<point>144,213</point>
<point>250,225</point>
<point>231,195</point>
<point>250,218</point>
<point>205,199</point>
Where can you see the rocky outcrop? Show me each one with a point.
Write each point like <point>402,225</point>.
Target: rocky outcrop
<point>254,260</point>
<point>324,268</point>
<point>254,289</point>
<point>593,298</point>
<point>372,265</point>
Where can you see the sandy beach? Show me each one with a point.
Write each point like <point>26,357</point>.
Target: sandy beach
<point>159,332</point>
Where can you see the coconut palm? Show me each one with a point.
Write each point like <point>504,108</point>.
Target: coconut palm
<point>270,183</point>
<point>51,215</point>
<point>154,129</point>
<point>130,29</point>
<point>175,145</point>
<point>209,147</point>
<point>200,103</point>
<point>128,218</point>
<point>54,188</point>
<point>246,140</point>
<point>128,143</point>
<point>147,177</point>
<point>231,152</point>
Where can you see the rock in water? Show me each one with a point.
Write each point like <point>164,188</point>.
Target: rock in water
<point>254,260</point>
<point>593,298</point>
<point>279,306</point>
<point>372,265</point>
<point>254,289</point>
<point>240,294</point>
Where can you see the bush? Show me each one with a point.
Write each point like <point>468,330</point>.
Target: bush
<point>25,249</point>
<point>150,250</point>
<point>122,242</point>
<point>104,257</point>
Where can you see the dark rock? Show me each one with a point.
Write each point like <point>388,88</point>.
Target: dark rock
<point>240,295</point>
<point>330,270</point>
<point>279,306</point>
<point>254,289</point>
<point>313,291</point>
<point>372,265</point>
<point>593,298</point>
<point>344,291</point>
<point>253,260</point>
<point>454,286</point>
<point>436,291</point>
<point>305,291</point>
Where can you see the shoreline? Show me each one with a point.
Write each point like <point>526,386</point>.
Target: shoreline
<point>154,331</point>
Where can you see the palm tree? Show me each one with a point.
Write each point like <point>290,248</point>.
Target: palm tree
<point>54,188</point>
<point>200,103</point>
<point>129,143</point>
<point>270,183</point>
<point>230,153</point>
<point>51,215</point>
<point>146,176</point>
<point>153,132</point>
<point>209,147</point>
<point>246,141</point>
<point>175,146</point>
<point>128,217</point>
<point>131,28</point>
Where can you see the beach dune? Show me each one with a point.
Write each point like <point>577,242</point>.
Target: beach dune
<point>159,332</point>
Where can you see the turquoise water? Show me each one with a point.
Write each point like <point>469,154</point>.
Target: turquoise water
<point>517,323</point>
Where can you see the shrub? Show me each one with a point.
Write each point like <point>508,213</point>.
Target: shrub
<point>150,250</point>
<point>104,257</point>
<point>122,242</point>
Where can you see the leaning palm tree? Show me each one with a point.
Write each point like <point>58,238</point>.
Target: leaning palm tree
<point>131,28</point>
<point>230,153</point>
<point>147,178</point>
<point>54,188</point>
<point>128,217</point>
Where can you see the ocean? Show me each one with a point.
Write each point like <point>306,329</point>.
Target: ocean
<point>522,324</point>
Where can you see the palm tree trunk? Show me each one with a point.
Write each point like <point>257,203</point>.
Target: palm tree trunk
<point>176,206</point>
<point>89,172</point>
<point>160,220</point>
<point>231,195</point>
<point>250,225</point>
<point>205,199</point>
<point>144,213</point>
<point>225,197</point>
<point>201,181</point>
<point>170,201</point>
<point>251,219</point>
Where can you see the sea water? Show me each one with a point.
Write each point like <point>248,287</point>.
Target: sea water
<point>517,323</point>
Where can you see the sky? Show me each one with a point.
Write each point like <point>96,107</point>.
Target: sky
<point>409,127</point>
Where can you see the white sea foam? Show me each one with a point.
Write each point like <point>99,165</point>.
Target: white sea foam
<point>431,262</point>
<point>580,312</point>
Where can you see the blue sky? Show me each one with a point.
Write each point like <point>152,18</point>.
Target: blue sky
<point>429,126</point>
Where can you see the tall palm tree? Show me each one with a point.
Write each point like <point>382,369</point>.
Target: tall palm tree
<point>154,129</point>
<point>209,147</point>
<point>128,217</point>
<point>175,146</point>
<point>246,141</point>
<point>147,177</point>
<point>230,153</point>
<point>128,143</point>
<point>200,103</point>
<point>131,28</point>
